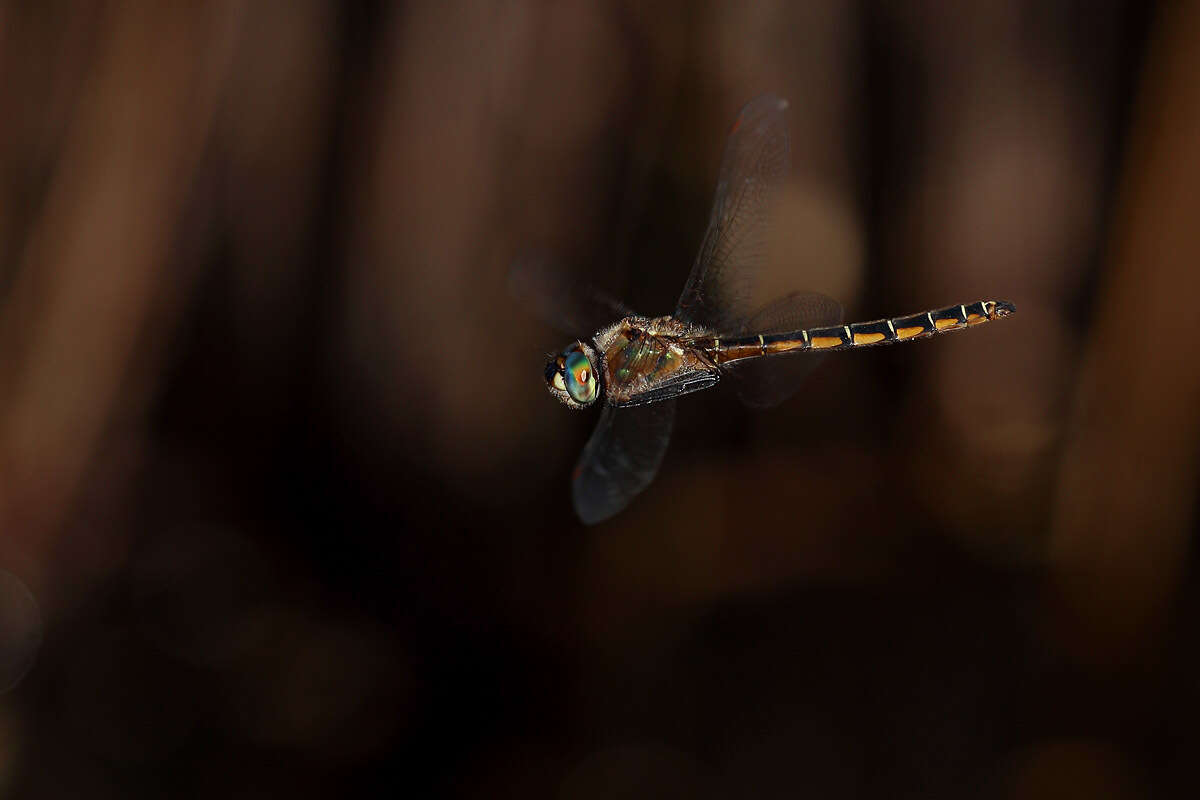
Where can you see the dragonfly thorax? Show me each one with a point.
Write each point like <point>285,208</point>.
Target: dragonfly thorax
<point>643,355</point>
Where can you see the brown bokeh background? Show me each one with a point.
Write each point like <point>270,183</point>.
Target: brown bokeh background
<point>291,503</point>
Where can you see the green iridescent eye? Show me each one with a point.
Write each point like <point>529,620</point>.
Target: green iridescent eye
<point>581,381</point>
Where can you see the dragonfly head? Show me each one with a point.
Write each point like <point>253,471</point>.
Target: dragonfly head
<point>572,376</point>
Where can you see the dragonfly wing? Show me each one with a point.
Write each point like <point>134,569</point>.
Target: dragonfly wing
<point>766,382</point>
<point>756,160</point>
<point>572,307</point>
<point>794,312</point>
<point>621,458</point>
<point>684,381</point>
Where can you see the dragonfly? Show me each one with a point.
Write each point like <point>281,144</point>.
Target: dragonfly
<point>637,366</point>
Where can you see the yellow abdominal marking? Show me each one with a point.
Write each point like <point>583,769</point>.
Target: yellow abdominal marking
<point>868,338</point>
<point>942,324</point>
<point>973,318</point>
<point>908,333</point>
<point>822,342</point>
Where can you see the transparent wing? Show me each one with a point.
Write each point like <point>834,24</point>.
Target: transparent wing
<point>621,458</point>
<point>756,160</point>
<point>792,312</point>
<point>571,306</point>
<point>766,382</point>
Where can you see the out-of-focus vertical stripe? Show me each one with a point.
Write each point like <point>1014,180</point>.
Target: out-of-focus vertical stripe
<point>92,274</point>
<point>1126,488</point>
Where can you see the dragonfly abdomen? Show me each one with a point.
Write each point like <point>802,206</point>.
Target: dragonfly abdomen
<point>860,334</point>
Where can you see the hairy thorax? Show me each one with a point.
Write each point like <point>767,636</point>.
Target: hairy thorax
<point>642,353</point>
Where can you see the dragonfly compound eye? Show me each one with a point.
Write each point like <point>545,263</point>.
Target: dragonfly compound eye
<point>581,382</point>
<point>554,375</point>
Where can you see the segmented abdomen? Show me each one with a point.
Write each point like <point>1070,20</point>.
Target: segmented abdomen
<point>860,334</point>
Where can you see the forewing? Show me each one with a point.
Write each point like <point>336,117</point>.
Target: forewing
<point>621,458</point>
<point>766,382</point>
<point>755,162</point>
<point>573,307</point>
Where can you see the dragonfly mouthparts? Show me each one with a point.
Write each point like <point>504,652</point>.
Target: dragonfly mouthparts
<point>1004,308</point>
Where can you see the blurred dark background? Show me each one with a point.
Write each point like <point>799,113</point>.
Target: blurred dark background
<point>285,505</point>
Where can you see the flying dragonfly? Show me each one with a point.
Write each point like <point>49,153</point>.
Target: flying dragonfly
<point>637,366</point>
